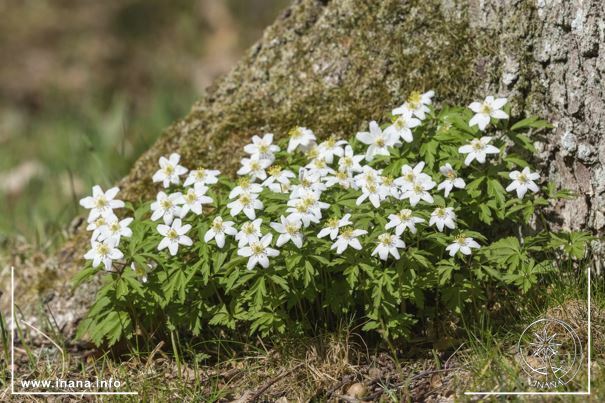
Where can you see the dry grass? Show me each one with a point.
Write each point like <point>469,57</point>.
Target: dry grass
<point>324,368</point>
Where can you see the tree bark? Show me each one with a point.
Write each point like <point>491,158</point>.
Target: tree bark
<point>334,65</point>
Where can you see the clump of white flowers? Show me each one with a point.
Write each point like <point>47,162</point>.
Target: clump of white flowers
<point>400,220</point>
<point>407,196</point>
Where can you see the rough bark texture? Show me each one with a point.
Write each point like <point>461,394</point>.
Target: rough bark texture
<point>333,65</point>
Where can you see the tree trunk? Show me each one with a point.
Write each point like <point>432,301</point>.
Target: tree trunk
<point>334,65</point>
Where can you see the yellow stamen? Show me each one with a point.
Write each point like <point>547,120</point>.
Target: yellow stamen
<point>295,132</point>
<point>460,239</point>
<point>245,199</point>
<point>414,99</point>
<point>103,249</point>
<point>291,229</point>
<point>102,202</point>
<point>274,170</point>
<point>332,223</point>
<point>400,123</point>
<point>244,182</point>
<point>257,248</point>
<point>386,239</point>
<point>405,214</point>
<point>347,232</point>
<point>485,108</point>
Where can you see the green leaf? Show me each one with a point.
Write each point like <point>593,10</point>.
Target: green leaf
<point>83,275</point>
<point>352,273</point>
<point>495,190</point>
<point>485,214</point>
<point>531,122</point>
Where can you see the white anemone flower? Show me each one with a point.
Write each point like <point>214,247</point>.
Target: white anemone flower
<point>451,179</point>
<point>116,229</point>
<point>378,141</point>
<point>333,225</point>
<point>218,230</point>
<point>104,252</point>
<point>402,126</point>
<point>166,207</point>
<point>320,167</point>
<point>202,176</point>
<point>307,208</point>
<point>289,230</point>
<point>311,199</point>
<point>98,225</point>
<point>194,199</point>
<point>388,244</point>
<point>368,176</point>
<point>417,104</point>
<point>301,137</point>
<point>246,202</point>
<point>279,179</point>
<point>374,192</point>
<point>170,170</point>
<point>174,235</point>
<point>349,161</point>
<point>419,191</point>
<point>484,111</point>
<point>462,244</point>
<point>330,148</point>
<point>443,216</point>
<point>308,180</point>
<point>390,187</point>
<point>249,232</point>
<point>254,167</point>
<point>410,176</point>
<point>342,178</point>
<point>263,147</point>
<point>259,252</point>
<point>301,211</point>
<point>348,237</point>
<point>244,185</point>
<point>101,203</point>
<point>402,220</point>
<point>478,149</point>
<point>523,181</point>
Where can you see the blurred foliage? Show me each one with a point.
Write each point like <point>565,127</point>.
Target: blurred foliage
<point>91,85</point>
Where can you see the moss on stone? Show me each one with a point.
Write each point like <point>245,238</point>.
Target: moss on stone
<point>330,68</point>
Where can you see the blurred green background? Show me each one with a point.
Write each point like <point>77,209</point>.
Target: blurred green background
<point>86,87</point>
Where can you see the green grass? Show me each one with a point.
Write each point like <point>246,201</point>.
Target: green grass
<point>490,359</point>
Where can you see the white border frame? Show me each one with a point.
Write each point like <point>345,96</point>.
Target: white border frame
<point>581,393</point>
<point>30,393</point>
